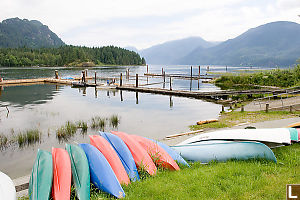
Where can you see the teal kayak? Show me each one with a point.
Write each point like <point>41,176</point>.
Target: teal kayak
<point>80,171</point>
<point>294,134</point>
<point>41,177</point>
<point>222,151</point>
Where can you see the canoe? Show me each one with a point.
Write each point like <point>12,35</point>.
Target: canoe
<point>80,171</point>
<point>40,182</point>
<point>61,188</point>
<point>102,176</point>
<point>294,134</point>
<point>171,152</point>
<point>294,125</point>
<point>111,156</point>
<point>7,187</point>
<point>139,154</point>
<point>124,154</point>
<point>222,151</point>
<point>272,137</point>
<point>159,156</point>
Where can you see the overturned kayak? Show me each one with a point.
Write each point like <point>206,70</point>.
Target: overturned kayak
<point>140,155</point>
<point>294,134</point>
<point>111,156</point>
<point>40,182</point>
<point>102,176</point>
<point>61,174</point>
<point>80,171</point>
<point>159,156</point>
<point>123,153</point>
<point>222,151</point>
<point>171,152</point>
<point>272,137</point>
<point>7,187</point>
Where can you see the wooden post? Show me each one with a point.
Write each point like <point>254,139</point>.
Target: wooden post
<point>164,76</point>
<point>223,109</point>
<point>147,69</point>
<point>226,68</point>
<point>56,74</point>
<point>170,83</point>
<point>242,108</point>
<point>95,78</point>
<point>121,95</point>
<point>121,79</point>
<point>230,106</point>
<point>291,109</point>
<point>86,73</point>
<point>199,70</point>
<point>83,76</point>
<point>162,71</point>
<point>191,71</point>
<point>136,97</point>
<point>267,107</point>
<point>136,80</point>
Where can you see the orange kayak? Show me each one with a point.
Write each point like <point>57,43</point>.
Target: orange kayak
<point>61,174</point>
<point>140,155</point>
<point>159,155</point>
<point>111,156</point>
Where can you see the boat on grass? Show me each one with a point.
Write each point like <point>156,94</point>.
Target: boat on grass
<point>7,187</point>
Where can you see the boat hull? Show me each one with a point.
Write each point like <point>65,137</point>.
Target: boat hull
<point>7,187</point>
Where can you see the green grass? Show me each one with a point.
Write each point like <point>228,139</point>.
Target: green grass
<point>28,137</point>
<point>236,117</point>
<point>114,121</point>
<point>67,131</point>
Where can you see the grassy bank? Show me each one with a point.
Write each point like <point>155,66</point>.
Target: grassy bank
<point>229,119</point>
<point>254,179</point>
<point>276,77</point>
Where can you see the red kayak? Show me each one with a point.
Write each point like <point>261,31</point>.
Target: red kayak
<point>61,174</point>
<point>159,155</point>
<point>140,155</point>
<point>111,156</point>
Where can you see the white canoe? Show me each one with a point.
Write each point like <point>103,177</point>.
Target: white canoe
<point>272,137</point>
<point>7,188</point>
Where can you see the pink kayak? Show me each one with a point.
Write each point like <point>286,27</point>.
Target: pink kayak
<point>111,156</point>
<point>140,155</point>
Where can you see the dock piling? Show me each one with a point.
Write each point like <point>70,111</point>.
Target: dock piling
<point>147,69</point>
<point>83,76</point>
<point>191,71</point>
<point>95,78</point>
<point>121,80</point>
<point>56,74</point>
<point>136,80</point>
<point>267,107</point>
<point>199,70</point>
<point>170,83</point>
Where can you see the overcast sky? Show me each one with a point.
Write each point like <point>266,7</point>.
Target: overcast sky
<point>143,23</point>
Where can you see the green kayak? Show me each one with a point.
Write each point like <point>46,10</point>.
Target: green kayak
<point>80,171</point>
<point>41,177</point>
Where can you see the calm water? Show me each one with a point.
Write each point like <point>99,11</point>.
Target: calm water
<point>47,107</point>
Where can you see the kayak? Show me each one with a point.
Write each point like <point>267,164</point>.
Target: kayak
<point>102,176</point>
<point>294,125</point>
<point>222,151</point>
<point>40,182</point>
<point>140,155</point>
<point>272,137</point>
<point>159,156</point>
<point>294,134</point>
<point>80,171</point>
<point>7,187</point>
<point>111,156</point>
<point>171,152</point>
<point>61,174</point>
<point>124,154</point>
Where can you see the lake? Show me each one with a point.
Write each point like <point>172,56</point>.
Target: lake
<point>47,107</point>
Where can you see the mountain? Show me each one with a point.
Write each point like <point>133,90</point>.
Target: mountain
<point>271,44</point>
<point>16,32</point>
<point>170,52</point>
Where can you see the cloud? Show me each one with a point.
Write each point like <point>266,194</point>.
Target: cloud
<point>143,23</point>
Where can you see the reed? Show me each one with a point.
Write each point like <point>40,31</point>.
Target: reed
<point>83,125</point>
<point>114,121</point>
<point>3,140</point>
<point>67,131</point>
<point>98,122</point>
<point>28,137</point>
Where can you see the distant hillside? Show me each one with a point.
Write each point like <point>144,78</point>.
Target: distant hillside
<point>16,32</point>
<point>172,51</point>
<point>276,43</point>
<point>132,48</point>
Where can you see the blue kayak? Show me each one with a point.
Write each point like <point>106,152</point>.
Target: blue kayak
<point>102,175</point>
<point>171,152</point>
<point>123,153</point>
<point>222,151</point>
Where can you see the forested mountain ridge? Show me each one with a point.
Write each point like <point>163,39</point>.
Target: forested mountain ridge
<point>68,56</point>
<point>17,32</point>
<point>275,43</point>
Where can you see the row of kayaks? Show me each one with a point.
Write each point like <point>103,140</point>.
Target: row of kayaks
<point>239,144</point>
<point>108,162</point>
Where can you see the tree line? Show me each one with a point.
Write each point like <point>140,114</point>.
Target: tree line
<point>68,55</point>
